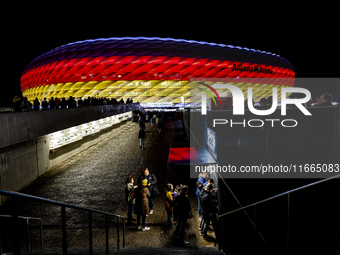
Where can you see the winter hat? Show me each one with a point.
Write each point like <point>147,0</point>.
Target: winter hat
<point>144,182</point>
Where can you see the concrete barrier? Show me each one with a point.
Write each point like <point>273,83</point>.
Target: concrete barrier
<point>24,141</point>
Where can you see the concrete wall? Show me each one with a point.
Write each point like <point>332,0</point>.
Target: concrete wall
<point>23,126</point>
<point>24,162</point>
<point>24,140</point>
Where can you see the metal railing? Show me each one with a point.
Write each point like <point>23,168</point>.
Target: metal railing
<point>16,196</point>
<point>28,231</point>
<point>288,206</point>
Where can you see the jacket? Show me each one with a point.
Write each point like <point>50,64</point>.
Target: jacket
<point>207,205</point>
<point>129,193</point>
<point>202,180</point>
<point>141,134</point>
<point>151,178</point>
<point>142,201</point>
<point>169,200</point>
<point>182,206</point>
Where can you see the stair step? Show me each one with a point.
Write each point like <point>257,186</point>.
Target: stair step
<point>131,250</point>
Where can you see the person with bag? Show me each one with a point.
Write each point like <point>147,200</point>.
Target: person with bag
<point>130,196</point>
<point>152,186</point>
<point>168,203</point>
<point>142,204</point>
<point>182,209</point>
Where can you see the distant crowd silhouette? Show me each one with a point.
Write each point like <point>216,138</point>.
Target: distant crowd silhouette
<point>24,105</point>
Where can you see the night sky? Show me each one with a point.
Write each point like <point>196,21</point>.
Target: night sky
<point>302,36</point>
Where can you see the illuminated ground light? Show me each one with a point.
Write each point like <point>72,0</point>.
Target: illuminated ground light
<point>149,70</point>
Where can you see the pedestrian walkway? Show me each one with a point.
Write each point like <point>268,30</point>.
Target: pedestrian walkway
<point>96,177</point>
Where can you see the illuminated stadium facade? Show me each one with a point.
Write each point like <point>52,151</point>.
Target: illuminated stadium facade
<point>150,70</point>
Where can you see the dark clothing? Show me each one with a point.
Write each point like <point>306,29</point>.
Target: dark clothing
<point>150,178</point>
<point>52,104</point>
<point>141,124</point>
<point>169,217</point>
<point>44,104</point>
<point>208,211</point>
<point>326,104</point>
<point>63,103</point>
<point>36,105</point>
<point>182,206</point>
<point>207,205</point>
<point>25,106</point>
<point>180,228</point>
<point>143,219</point>
<point>141,134</point>
<point>130,205</point>
<point>207,218</point>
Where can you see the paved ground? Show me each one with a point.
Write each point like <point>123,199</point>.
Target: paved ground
<point>96,178</point>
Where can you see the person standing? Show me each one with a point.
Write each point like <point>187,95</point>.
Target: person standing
<point>141,123</point>
<point>52,103</point>
<point>208,211</point>
<point>130,196</point>
<point>44,104</point>
<point>159,126</point>
<point>25,105</point>
<point>202,178</point>
<point>141,137</point>
<point>142,205</point>
<point>36,104</point>
<point>152,185</point>
<point>182,208</point>
<point>16,104</point>
<point>168,203</point>
<point>57,103</point>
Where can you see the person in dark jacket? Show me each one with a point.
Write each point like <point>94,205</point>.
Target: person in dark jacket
<point>44,104</point>
<point>325,100</point>
<point>182,208</point>
<point>25,105</point>
<point>141,124</point>
<point>36,104</point>
<point>208,211</point>
<point>152,182</point>
<point>141,137</point>
<point>63,103</point>
<point>142,204</point>
<point>202,178</point>
<point>51,103</point>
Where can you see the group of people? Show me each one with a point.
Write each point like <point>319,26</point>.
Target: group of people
<point>207,204</point>
<point>60,103</point>
<point>141,134</point>
<point>141,197</point>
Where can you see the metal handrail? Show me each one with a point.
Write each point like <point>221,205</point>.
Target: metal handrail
<point>17,195</point>
<point>280,195</point>
<point>28,230</point>
<point>288,204</point>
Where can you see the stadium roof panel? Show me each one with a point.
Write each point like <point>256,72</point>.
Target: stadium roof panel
<point>146,58</point>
